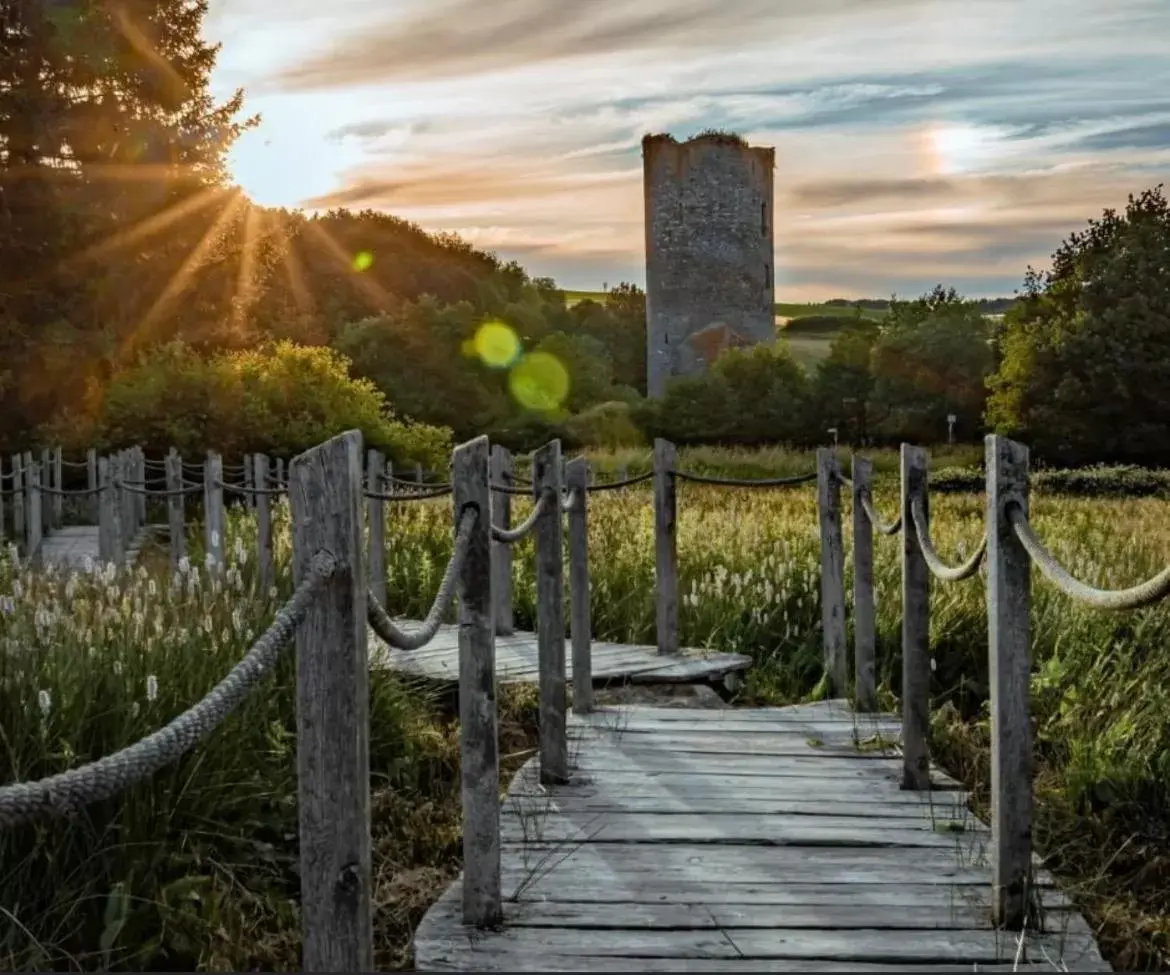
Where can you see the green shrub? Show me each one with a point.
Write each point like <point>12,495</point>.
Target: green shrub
<point>819,324</point>
<point>1101,481</point>
<point>608,425</point>
<point>280,400</point>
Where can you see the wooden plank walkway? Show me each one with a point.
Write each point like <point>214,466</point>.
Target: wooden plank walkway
<point>70,546</point>
<point>516,660</point>
<point>762,840</point>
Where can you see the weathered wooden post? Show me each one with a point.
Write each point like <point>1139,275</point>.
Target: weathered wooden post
<point>280,472</point>
<point>108,541</point>
<point>550,614</point>
<point>376,520</point>
<point>479,757</point>
<point>18,500</point>
<point>418,473</point>
<point>45,479</point>
<point>832,570</point>
<point>864,634</point>
<point>263,522</point>
<point>1009,596</point>
<point>915,626</point>
<point>58,500</point>
<point>249,482</point>
<point>213,514</point>
<point>176,508</point>
<point>125,502</point>
<point>333,718</point>
<point>140,495</point>
<point>91,482</point>
<point>3,520</point>
<point>36,521</point>
<point>580,623</point>
<point>665,546</point>
<point>502,468</point>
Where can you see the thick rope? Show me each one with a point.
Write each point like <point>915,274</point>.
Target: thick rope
<point>843,480</point>
<point>938,568</point>
<point>400,639</point>
<point>1144,594</point>
<point>76,493</point>
<point>421,496</point>
<point>419,485</point>
<point>625,482</point>
<point>511,535</point>
<point>69,791</point>
<point>160,492</point>
<point>739,482</point>
<point>881,527</point>
<point>74,463</point>
<point>570,499</point>
<point>244,490</point>
<point>521,492</point>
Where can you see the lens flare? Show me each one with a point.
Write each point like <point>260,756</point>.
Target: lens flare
<point>363,261</point>
<point>539,382</point>
<point>496,345</point>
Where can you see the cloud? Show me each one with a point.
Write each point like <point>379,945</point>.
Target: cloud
<point>1154,136</point>
<point>470,37</point>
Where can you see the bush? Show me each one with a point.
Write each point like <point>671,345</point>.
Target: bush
<point>820,324</point>
<point>609,425</point>
<point>1122,481</point>
<point>279,400</point>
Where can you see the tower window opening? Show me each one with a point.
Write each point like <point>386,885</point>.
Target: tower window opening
<point>763,219</point>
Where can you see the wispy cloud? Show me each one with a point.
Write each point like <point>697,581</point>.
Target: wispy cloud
<point>916,139</point>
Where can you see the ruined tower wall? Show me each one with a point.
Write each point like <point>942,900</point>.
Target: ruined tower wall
<point>709,254</point>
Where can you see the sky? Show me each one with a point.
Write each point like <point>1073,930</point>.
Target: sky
<point>917,141</point>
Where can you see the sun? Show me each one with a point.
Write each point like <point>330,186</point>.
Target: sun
<point>279,166</point>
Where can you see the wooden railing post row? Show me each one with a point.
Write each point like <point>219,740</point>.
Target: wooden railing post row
<point>333,711</point>
<point>502,469</point>
<point>832,570</point>
<point>91,482</point>
<point>17,499</point>
<point>376,526</point>
<point>213,513</point>
<point>176,509</point>
<point>665,546</point>
<point>864,631</point>
<point>1009,597</point>
<point>260,481</point>
<point>915,626</point>
<point>58,501</point>
<point>479,757</point>
<point>580,621</point>
<point>107,518</point>
<point>550,615</point>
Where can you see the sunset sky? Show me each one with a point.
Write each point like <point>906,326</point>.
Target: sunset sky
<point>917,141</point>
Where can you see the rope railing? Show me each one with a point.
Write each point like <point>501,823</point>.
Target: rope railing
<point>400,639</point>
<point>69,791</point>
<point>939,568</point>
<point>158,492</point>
<point>1135,597</point>
<point>424,495</point>
<point>247,490</point>
<point>618,485</point>
<point>510,536</point>
<point>881,527</point>
<point>744,482</point>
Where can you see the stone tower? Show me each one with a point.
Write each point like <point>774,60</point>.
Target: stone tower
<point>709,259</point>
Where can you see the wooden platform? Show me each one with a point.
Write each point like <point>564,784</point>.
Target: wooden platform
<point>516,660</point>
<point>764,840</point>
<point>74,546</point>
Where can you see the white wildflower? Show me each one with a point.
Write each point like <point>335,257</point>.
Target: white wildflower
<point>17,589</point>
<point>184,565</point>
<point>117,668</point>
<point>151,589</point>
<point>45,702</point>
<point>151,687</point>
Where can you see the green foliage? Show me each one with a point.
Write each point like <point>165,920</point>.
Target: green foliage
<point>609,425</point>
<point>279,400</point>
<point>1083,371</point>
<point>820,324</point>
<point>1100,481</point>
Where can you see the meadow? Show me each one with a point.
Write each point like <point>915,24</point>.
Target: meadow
<point>196,868</point>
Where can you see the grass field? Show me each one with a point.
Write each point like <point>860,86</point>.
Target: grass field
<point>195,868</point>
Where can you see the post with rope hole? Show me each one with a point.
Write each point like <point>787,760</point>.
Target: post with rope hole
<point>665,546</point>
<point>91,482</point>
<point>36,523</point>
<point>550,614</point>
<point>864,633</point>
<point>58,500</point>
<point>915,625</point>
<point>479,757</point>
<point>17,499</point>
<point>213,514</point>
<point>176,508</point>
<point>580,622</point>
<point>107,518</point>
<point>267,574</point>
<point>832,570</point>
<point>376,522</point>
<point>502,469</point>
<point>333,717</point>
<point>1009,582</point>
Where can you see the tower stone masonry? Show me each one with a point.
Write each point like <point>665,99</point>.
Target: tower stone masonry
<point>709,253</point>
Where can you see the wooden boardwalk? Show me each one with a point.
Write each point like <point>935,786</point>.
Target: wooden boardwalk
<point>762,840</point>
<point>516,660</point>
<point>71,546</point>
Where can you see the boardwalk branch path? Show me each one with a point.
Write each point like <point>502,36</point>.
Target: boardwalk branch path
<point>766,839</point>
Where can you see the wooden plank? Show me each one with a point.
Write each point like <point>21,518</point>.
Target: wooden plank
<point>915,625</point>
<point>1009,582</point>
<point>501,473</point>
<point>662,803</point>
<point>479,760</point>
<point>333,722</point>
<point>580,624</point>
